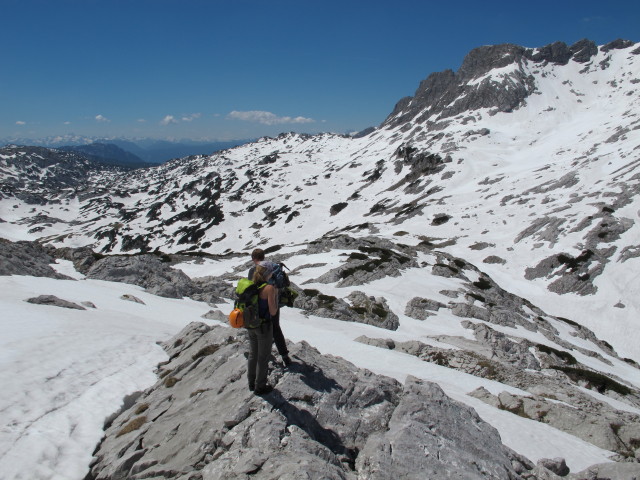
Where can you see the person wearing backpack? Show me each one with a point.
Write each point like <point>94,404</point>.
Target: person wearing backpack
<point>258,258</point>
<point>261,337</point>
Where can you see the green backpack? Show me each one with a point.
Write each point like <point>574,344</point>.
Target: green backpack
<point>287,296</point>
<point>246,305</point>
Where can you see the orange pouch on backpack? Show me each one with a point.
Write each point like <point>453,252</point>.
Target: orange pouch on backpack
<point>236,319</point>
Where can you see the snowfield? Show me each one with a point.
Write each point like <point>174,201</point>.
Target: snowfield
<point>65,372</point>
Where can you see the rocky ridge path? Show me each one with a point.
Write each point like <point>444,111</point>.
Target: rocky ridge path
<point>325,419</point>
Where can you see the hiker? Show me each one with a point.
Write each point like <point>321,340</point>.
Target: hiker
<point>261,337</point>
<point>258,257</point>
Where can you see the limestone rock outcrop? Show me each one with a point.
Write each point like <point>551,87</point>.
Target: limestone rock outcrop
<point>147,271</point>
<point>26,258</point>
<point>325,419</point>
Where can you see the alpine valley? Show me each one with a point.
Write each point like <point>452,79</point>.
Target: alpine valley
<point>467,273</point>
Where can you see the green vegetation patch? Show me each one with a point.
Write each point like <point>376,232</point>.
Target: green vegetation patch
<point>272,249</point>
<point>595,380</point>
<point>325,301</point>
<point>518,410</point>
<point>460,263</point>
<point>454,270</point>
<point>377,309</point>
<point>206,351</point>
<point>337,208</point>
<point>477,297</point>
<point>384,256</point>
<point>134,424</point>
<point>368,267</point>
<point>570,322</point>
<point>565,356</point>
<point>482,284</point>
<point>170,382</point>
<point>574,263</point>
<point>489,369</point>
<point>198,392</point>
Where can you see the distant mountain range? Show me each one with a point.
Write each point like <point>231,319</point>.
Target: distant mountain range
<point>160,151</point>
<point>110,154</point>
<point>129,152</point>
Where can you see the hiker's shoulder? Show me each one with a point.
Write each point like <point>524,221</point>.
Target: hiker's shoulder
<point>268,289</point>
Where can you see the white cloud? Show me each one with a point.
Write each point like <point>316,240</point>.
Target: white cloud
<point>169,119</point>
<point>67,123</point>
<point>102,118</point>
<point>20,122</point>
<point>266,118</point>
<point>189,118</point>
<point>142,120</point>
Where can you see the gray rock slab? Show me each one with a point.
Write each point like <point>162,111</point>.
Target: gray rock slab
<point>612,471</point>
<point>147,271</point>
<point>431,436</point>
<point>54,301</point>
<point>325,419</point>
<point>26,258</point>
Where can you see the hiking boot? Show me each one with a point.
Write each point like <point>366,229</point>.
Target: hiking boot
<point>252,387</point>
<point>286,360</point>
<point>263,390</point>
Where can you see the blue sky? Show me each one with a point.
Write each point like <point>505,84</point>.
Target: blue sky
<point>223,69</point>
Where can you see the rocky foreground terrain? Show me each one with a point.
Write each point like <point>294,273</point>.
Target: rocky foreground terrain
<point>325,419</point>
<point>331,419</point>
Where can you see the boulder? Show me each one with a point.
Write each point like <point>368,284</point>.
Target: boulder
<point>54,301</point>
<point>82,257</point>
<point>361,309</point>
<point>556,465</point>
<point>26,258</point>
<point>147,271</point>
<point>373,311</point>
<point>131,298</point>
<point>427,435</point>
<point>422,308</point>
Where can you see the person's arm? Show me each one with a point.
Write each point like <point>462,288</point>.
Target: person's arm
<point>272,299</point>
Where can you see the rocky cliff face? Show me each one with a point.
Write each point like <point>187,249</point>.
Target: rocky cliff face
<point>444,95</point>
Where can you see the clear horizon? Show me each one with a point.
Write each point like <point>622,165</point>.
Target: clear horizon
<point>222,70</point>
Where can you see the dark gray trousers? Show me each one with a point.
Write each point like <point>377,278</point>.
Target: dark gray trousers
<point>278,336</point>
<point>260,341</point>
